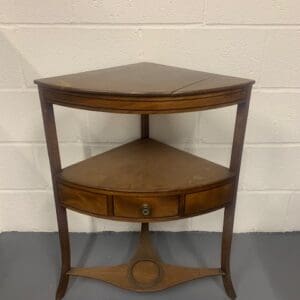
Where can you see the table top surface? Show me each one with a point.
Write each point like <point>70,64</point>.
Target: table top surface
<point>144,79</point>
<point>146,166</point>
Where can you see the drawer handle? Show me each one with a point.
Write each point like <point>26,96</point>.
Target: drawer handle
<point>146,211</point>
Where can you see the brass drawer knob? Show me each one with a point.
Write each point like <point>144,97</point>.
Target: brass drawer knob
<point>146,211</point>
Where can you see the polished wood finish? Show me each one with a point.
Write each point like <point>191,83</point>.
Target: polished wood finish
<point>145,166</point>
<point>144,88</point>
<point>211,199</point>
<point>143,79</point>
<point>148,175</point>
<point>145,180</point>
<point>146,207</point>
<point>134,208</point>
<point>145,272</point>
<point>92,203</point>
<point>146,104</point>
<point>61,214</point>
<point>235,164</point>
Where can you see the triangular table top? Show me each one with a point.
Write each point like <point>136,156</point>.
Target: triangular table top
<point>147,79</point>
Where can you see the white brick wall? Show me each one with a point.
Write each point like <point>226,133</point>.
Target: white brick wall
<point>138,11</point>
<point>254,39</point>
<point>253,12</point>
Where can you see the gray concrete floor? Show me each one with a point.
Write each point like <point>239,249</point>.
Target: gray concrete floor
<point>264,266</point>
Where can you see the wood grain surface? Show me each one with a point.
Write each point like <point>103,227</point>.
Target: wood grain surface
<point>145,180</point>
<point>142,79</point>
<point>145,166</point>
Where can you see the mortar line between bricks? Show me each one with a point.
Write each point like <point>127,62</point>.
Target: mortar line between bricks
<point>195,25</point>
<point>202,144</point>
<point>205,10</point>
<point>251,145</point>
<point>108,25</point>
<point>269,191</point>
<point>43,143</point>
<point>258,25</point>
<point>24,89</point>
<point>277,89</point>
<point>33,190</point>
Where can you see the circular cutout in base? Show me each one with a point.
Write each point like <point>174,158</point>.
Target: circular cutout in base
<point>145,273</point>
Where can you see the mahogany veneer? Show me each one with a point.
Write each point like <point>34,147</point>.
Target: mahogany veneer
<point>152,176</point>
<point>144,181</point>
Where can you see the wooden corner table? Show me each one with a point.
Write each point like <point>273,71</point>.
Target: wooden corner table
<point>144,181</point>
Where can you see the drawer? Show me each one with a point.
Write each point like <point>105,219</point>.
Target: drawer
<point>146,207</point>
<point>83,201</point>
<point>208,200</point>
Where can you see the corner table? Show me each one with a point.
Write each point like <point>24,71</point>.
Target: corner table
<point>145,180</point>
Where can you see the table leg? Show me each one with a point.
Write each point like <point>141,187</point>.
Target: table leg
<point>235,164</point>
<point>144,126</point>
<point>226,250</point>
<point>55,166</point>
<point>65,252</point>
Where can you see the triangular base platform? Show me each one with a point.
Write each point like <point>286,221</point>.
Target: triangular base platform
<point>120,277</point>
<point>145,272</point>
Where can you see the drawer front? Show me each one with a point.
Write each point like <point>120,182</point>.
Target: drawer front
<point>83,201</point>
<point>146,207</point>
<point>208,200</point>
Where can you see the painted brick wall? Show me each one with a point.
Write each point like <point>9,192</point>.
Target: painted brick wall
<point>254,39</point>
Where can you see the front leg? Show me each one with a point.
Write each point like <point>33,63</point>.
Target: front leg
<point>65,251</point>
<point>226,249</point>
